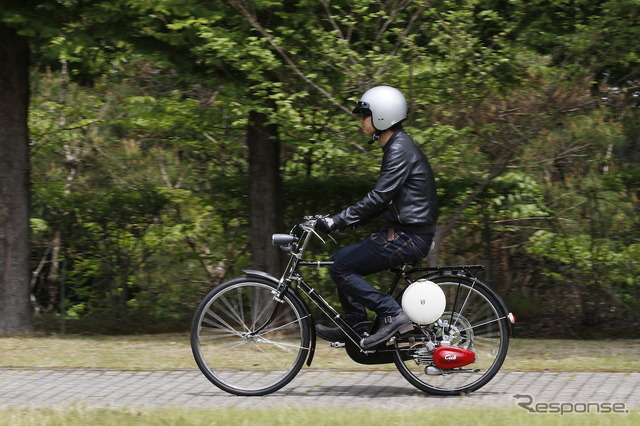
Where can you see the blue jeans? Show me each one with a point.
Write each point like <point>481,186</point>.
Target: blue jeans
<point>371,255</point>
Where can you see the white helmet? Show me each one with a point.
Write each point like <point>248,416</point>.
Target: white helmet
<point>386,104</point>
<point>424,302</point>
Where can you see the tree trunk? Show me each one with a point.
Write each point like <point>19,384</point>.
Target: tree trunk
<point>265,193</point>
<point>15,307</point>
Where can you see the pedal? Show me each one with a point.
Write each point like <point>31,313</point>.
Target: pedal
<point>337,344</point>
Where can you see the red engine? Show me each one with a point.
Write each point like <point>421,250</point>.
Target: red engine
<point>447,357</point>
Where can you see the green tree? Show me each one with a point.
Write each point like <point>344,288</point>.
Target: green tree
<point>236,97</point>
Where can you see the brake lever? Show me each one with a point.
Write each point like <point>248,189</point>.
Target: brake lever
<point>312,229</point>
<point>322,239</point>
<point>318,235</point>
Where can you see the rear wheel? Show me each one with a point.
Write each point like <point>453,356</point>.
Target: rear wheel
<point>247,343</point>
<point>473,320</point>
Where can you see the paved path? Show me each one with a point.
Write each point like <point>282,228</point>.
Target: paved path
<point>320,388</point>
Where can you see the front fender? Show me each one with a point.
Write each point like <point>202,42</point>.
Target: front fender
<point>261,274</point>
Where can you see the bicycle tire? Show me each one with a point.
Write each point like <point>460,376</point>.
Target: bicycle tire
<point>477,322</point>
<point>238,348</point>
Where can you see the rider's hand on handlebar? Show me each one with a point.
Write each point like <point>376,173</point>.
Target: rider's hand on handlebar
<point>324,225</point>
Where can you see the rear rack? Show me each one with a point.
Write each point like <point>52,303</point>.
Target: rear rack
<point>446,270</point>
<point>452,268</point>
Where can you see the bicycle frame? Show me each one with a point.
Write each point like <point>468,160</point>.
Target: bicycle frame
<point>296,246</point>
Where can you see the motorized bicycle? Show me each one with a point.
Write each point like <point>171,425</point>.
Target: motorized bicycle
<point>252,335</point>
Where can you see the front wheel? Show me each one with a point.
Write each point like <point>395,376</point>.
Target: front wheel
<point>473,320</point>
<point>247,343</point>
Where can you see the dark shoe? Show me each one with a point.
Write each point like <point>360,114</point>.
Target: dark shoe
<point>332,334</point>
<point>389,326</point>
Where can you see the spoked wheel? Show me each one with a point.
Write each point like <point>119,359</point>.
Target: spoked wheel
<point>473,320</point>
<point>247,343</point>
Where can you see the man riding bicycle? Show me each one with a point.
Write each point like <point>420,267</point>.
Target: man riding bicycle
<point>406,193</point>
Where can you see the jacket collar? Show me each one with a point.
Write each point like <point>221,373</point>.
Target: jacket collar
<point>391,140</point>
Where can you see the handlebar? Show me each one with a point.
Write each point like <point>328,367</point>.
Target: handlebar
<point>288,242</point>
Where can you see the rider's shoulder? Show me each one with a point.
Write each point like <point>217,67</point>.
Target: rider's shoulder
<point>400,145</point>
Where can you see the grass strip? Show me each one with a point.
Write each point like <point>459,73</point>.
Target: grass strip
<point>172,351</point>
<point>72,416</point>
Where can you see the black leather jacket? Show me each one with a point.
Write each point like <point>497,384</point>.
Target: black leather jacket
<point>405,191</point>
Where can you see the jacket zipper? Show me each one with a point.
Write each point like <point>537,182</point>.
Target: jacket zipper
<point>397,213</point>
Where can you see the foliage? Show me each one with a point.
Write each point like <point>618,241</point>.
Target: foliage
<point>140,112</point>
<point>112,184</point>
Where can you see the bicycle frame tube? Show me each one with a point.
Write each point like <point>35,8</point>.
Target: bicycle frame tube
<point>291,274</point>
<point>296,251</point>
<point>327,309</point>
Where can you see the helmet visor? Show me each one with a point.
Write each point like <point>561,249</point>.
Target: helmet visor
<point>362,107</point>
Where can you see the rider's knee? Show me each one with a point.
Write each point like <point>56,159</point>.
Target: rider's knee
<point>338,274</point>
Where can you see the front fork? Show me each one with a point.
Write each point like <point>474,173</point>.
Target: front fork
<point>286,282</point>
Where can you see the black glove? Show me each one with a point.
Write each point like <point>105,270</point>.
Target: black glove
<point>324,225</point>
